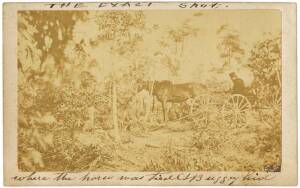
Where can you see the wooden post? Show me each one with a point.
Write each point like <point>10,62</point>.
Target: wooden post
<point>115,113</point>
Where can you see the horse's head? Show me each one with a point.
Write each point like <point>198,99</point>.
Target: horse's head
<point>141,85</point>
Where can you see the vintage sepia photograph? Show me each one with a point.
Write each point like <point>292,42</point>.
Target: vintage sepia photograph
<point>149,93</point>
<point>149,90</point>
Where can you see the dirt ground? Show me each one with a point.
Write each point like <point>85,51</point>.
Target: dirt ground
<point>181,145</point>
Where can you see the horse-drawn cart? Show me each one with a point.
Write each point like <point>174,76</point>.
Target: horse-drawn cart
<point>232,108</point>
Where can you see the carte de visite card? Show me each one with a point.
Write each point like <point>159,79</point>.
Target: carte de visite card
<point>150,93</point>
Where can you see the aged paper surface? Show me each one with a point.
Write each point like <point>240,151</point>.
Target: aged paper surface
<point>150,94</point>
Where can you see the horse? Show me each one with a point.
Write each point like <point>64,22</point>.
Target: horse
<point>165,91</point>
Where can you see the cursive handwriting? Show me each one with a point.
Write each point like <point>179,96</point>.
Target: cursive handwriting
<point>88,177</point>
<point>63,176</point>
<point>160,176</point>
<point>31,177</point>
<point>157,177</point>
<point>255,176</point>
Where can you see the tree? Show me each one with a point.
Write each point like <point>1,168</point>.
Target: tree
<point>120,31</point>
<point>229,46</point>
<point>170,49</point>
<point>265,60</point>
<point>43,35</point>
<point>179,36</point>
<point>265,63</point>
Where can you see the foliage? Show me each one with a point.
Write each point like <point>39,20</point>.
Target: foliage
<point>218,148</point>
<point>265,59</point>
<point>121,28</point>
<point>170,160</point>
<point>269,144</point>
<point>230,47</point>
<point>58,111</point>
<point>173,47</point>
<point>71,103</point>
<point>50,35</point>
<point>265,63</point>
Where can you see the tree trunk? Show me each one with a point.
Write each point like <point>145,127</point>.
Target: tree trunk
<point>115,112</point>
<point>182,46</point>
<point>110,94</point>
<point>148,104</point>
<point>229,57</point>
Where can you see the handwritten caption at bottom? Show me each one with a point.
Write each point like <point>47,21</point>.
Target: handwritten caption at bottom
<point>154,178</point>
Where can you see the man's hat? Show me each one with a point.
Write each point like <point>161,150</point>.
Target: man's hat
<point>232,74</point>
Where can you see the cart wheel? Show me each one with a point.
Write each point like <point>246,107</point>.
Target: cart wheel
<point>274,101</point>
<point>234,111</point>
<point>201,110</point>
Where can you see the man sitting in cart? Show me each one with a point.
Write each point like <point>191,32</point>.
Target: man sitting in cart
<point>238,84</point>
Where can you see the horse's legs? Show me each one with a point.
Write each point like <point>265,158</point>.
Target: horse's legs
<point>163,109</point>
<point>191,106</point>
<point>163,103</point>
<point>153,103</point>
